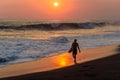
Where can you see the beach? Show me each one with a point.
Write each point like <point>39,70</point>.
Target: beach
<point>59,40</point>
<point>100,63</point>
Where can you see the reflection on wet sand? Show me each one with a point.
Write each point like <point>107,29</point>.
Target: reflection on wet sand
<point>63,60</point>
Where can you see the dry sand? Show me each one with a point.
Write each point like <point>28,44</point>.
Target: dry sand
<point>101,63</point>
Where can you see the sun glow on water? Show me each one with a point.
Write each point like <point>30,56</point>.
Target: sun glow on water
<point>63,62</point>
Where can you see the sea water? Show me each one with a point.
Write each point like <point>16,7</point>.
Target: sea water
<point>18,46</point>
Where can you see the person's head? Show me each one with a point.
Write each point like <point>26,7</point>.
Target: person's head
<point>75,40</point>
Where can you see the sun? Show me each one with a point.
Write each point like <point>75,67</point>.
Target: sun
<point>56,4</point>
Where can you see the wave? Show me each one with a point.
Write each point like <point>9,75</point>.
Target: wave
<point>60,39</point>
<point>21,50</point>
<point>7,59</point>
<point>56,26</point>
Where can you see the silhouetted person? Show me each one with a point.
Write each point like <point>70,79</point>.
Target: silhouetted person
<point>74,48</point>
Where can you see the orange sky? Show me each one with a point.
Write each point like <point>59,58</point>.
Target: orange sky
<point>67,9</point>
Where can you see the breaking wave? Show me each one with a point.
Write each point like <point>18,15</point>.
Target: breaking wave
<point>55,26</point>
<point>60,40</point>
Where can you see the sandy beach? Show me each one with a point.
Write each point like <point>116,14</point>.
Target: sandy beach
<point>100,63</point>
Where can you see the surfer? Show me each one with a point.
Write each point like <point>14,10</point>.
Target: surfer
<point>74,48</point>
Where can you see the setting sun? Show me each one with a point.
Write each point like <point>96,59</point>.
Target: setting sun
<point>56,4</point>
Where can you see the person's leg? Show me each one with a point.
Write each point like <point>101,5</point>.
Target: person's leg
<point>74,56</point>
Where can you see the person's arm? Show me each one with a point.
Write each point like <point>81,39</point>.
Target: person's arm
<point>79,48</point>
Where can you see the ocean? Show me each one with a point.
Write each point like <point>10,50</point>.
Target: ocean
<point>24,45</point>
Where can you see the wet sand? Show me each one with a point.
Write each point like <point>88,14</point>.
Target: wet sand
<point>101,63</point>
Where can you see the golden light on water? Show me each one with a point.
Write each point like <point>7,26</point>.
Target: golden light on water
<point>63,62</point>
